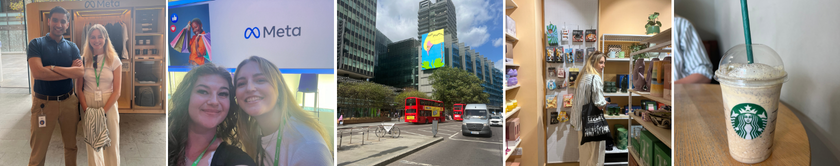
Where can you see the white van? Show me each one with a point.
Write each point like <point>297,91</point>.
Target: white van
<point>476,120</point>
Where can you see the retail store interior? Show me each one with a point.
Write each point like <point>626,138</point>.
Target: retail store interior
<point>546,44</point>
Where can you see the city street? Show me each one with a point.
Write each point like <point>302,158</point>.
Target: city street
<point>455,149</point>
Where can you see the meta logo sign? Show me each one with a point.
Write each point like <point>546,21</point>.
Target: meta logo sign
<point>102,4</point>
<point>255,32</point>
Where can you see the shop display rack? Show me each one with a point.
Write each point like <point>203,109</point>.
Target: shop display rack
<point>512,147</point>
<point>508,114</point>
<point>511,87</point>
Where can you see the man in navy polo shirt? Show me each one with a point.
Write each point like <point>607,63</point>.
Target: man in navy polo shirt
<point>54,62</point>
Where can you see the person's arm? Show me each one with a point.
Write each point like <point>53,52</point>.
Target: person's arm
<point>75,72</point>
<point>694,79</point>
<point>598,92</point>
<point>201,49</point>
<point>80,86</point>
<point>695,61</point>
<point>117,89</point>
<point>41,72</point>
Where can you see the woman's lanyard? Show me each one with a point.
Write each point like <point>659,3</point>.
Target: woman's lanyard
<point>279,140</point>
<point>205,150</point>
<point>101,67</point>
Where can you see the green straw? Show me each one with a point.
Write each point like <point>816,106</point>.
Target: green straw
<point>746,18</point>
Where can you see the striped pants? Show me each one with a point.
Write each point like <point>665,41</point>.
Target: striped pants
<point>107,155</point>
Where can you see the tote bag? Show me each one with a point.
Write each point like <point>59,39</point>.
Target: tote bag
<point>595,127</point>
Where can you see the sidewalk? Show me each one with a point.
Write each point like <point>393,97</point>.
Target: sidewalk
<point>377,151</point>
<point>360,125</point>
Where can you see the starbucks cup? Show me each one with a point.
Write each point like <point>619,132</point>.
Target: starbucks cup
<point>750,100</point>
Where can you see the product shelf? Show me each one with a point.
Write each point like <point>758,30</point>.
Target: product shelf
<point>508,114</point>
<point>657,48</point>
<point>624,38</point>
<point>661,37</point>
<point>511,38</point>
<point>512,87</point>
<point>654,98</point>
<point>618,59</point>
<point>512,147</point>
<point>509,4</point>
<point>616,163</point>
<point>636,156</point>
<point>663,135</point>
<point>617,117</point>
<point>620,94</point>
<point>616,150</point>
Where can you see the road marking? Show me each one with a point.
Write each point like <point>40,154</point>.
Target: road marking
<point>453,135</point>
<point>414,163</point>
<point>439,133</point>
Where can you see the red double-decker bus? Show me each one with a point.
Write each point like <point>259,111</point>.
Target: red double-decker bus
<point>458,110</point>
<point>420,110</point>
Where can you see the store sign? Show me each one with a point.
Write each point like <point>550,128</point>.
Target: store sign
<point>274,31</point>
<point>102,4</point>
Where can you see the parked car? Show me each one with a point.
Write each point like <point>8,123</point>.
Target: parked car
<point>495,120</point>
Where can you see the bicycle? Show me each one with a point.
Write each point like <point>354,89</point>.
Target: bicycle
<point>388,129</point>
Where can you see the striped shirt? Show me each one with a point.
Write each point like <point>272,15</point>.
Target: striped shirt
<point>690,56</point>
<point>96,129</point>
<point>590,83</point>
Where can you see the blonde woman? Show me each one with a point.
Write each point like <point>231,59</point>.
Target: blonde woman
<point>275,130</point>
<point>100,88</point>
<point>589,86</point>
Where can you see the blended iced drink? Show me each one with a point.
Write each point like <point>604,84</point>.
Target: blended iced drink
<point>751,99</point>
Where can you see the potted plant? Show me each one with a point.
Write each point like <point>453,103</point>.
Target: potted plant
<point>653,24</point>
<point>636,47</point>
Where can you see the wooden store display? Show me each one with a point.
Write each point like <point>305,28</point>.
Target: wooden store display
<point>526,52</point>
<point>146,57</point>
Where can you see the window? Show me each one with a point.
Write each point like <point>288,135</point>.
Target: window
<point>410,102</point>
<point>480,114</point>
<point>409,111</point>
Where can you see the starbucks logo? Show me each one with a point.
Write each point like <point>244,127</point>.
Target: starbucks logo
<point>748,120</point>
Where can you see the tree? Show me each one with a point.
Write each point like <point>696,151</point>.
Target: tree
<point>366,95</point>
<point>457,86</point>
<point>400,99</point>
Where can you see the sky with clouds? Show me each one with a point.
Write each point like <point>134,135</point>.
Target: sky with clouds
<point>480,24</point>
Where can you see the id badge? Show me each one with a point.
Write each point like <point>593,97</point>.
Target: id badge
<point>42,121</point>
<point>97,96</point>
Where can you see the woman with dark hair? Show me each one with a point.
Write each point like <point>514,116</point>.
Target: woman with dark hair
<point>202,126</point>
<point>275,130</point>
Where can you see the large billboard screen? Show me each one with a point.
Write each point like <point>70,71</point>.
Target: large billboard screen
<point>433,47</point>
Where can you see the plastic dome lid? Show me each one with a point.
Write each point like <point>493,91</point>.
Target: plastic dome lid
<point>767,67</point>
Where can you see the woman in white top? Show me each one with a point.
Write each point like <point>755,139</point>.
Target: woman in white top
<point>100,87</point>
<point>589,85</point>
<point>275,130</point>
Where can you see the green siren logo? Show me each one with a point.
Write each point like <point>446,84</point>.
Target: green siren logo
<point>748,120</point>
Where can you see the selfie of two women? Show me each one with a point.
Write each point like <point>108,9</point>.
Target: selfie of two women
<point>248,118</point>
<point>251,100</point>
